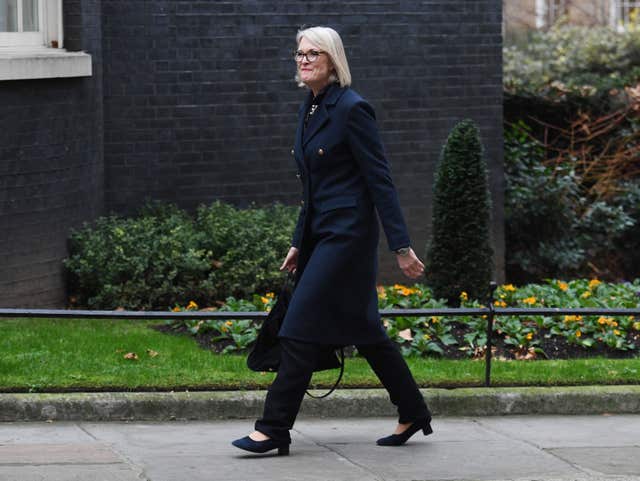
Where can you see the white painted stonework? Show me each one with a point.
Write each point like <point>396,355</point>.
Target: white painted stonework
<point>43,63</point>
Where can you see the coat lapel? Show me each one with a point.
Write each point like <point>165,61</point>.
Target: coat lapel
<point>322,116</point>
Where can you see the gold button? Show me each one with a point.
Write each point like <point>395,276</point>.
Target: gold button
<point>292,151</point>
<point>298,175</point>
<point>320,152</point>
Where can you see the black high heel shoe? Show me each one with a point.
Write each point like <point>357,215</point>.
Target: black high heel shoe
<point>398,439</point>
<point>249,444</point>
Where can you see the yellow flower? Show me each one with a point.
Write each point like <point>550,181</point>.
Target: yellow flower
<point>593,283</point>
<point>529,336</point>
<point>636,326</point>
<point>586,294</point>
<point>529,300</point>
<point>270,295</point>
<point>572,318</point>
<point>265,300</point>
<point>616,332</point>
<point>398,287</point>
<point>176,309</point>
<point>500,303</point>
<point>604,320</point>
<point>405,291</point>
<point>509,287</point>
<point>563,285</point>
<point>464,296</point>
<point>435,319</point>
<point>192,305</point>
<point>426,336</point>
<point>578,333</point>
<point>229,323</point>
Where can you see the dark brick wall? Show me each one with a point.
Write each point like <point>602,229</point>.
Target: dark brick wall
<point>51,168</point>
<point>200,103</point>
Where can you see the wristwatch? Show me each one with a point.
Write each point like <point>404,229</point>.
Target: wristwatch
<point>403,251</point>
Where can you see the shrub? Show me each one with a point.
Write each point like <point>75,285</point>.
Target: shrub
<point>575,64</point>
<point>247,247</point>
<point>136,263</point>
<point>459,256</point>
<point>161,256</point>
<point>555,225</point>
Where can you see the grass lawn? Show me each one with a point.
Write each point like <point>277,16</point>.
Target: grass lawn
<point>40,355</point>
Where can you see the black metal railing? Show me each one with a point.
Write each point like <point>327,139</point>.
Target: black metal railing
<point>490,311</point>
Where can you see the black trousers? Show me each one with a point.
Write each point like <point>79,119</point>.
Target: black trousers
<point>298,360</point>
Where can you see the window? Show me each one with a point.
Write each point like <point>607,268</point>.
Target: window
<point>624,12</point>
<point>31,42</point>
<point>31,23</point>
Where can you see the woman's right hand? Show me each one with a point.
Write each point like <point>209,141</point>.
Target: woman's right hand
<point>291,261</point>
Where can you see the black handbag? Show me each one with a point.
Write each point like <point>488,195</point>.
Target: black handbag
<point>265,355</point>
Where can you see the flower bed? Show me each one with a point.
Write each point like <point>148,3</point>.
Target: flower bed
<point>516,337</point>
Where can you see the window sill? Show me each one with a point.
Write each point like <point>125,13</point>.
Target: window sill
<point>20,64</point>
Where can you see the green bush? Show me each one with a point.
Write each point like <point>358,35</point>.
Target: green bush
<point>554,228</point>
<point>573,63</point>
<point>248,246</point>
<point>459,256</point>
<point>162,256</point>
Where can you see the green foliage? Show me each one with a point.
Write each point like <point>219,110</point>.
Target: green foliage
<point>137,263</point>
<point>162,256</point>
<point>553,227</point>
<point>419,336</point>
<point>571,63</point>
<point>249,244</point>
<point>459,257</point>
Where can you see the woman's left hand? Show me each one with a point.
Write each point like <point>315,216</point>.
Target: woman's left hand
<point>410,264</point>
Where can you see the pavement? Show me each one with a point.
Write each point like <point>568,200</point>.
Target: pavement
<point>516,447</point>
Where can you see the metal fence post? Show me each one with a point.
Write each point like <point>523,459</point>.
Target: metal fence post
<point>487,365</point>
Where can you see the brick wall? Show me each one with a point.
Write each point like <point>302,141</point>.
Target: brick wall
<point>51,168</point>
<point>193,101</point>
<point>200,103</point>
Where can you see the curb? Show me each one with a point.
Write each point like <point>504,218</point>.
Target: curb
<point>215,405</point>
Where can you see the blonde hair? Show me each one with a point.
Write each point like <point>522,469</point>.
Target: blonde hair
<point>328,40</point>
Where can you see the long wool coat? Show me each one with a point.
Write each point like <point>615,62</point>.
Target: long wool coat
<point>344,174</point>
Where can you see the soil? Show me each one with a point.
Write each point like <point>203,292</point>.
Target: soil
<point>549,347</point>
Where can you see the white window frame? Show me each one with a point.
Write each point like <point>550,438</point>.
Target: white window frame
<point>619,13</point>
<point>31,55</point>
<point>49,34</point>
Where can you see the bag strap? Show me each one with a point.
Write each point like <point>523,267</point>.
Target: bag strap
<point>337,382</point>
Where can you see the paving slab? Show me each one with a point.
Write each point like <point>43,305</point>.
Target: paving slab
<point>514,448</point>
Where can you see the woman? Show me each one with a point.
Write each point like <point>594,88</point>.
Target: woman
<point>344,175</point>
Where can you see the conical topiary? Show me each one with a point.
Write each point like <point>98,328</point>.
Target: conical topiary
<point>459,255</point>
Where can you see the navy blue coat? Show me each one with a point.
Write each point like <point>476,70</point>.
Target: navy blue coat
<point>344,174</point>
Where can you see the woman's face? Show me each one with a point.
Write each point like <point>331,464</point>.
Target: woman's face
<point>314,74</point>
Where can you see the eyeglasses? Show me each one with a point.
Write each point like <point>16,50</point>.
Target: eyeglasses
<point>311,55</point>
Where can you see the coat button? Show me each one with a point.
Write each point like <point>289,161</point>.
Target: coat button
<point>292,152</point>
<point>298,175</point>
<point>320,152</point>
<point>302,202</point>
